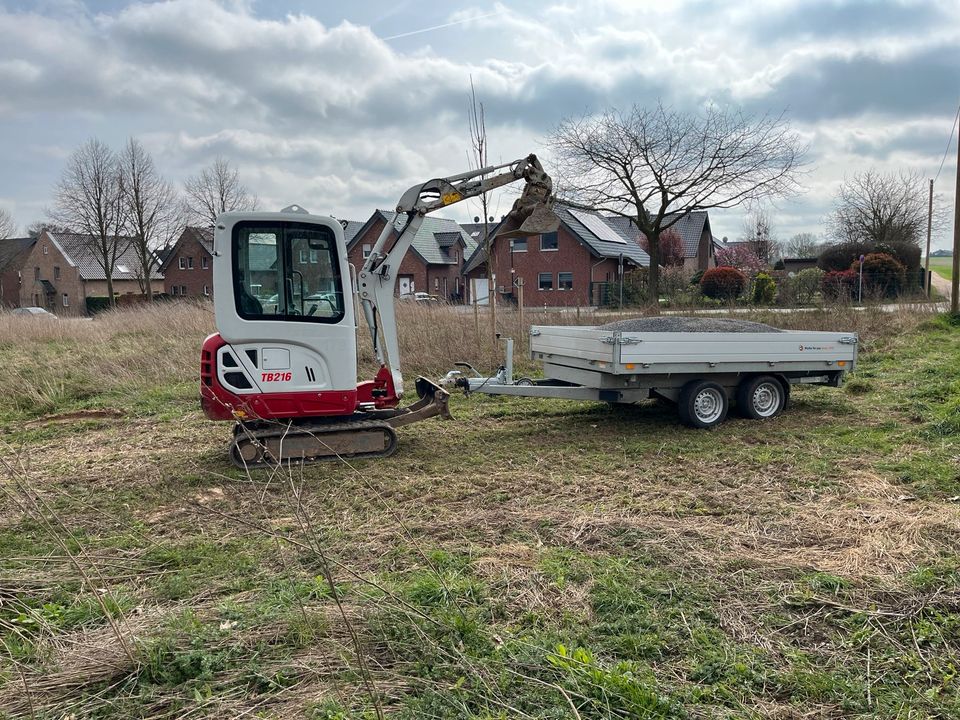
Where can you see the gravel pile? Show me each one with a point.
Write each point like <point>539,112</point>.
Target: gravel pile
<point>675,323</point>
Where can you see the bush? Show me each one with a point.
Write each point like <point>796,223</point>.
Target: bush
<point>805,285</point>
<point>839,284</point>
<point>673,282</point>
<point>836,258</point>
<point>906,253</point>
<point>883,274</point>
<point>764,289</point>
<point>97,304</point>
<point>723,283</point>
<point>696,277</point>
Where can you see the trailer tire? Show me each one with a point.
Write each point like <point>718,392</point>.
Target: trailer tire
<point>761,397</point>
<point>703,404</point>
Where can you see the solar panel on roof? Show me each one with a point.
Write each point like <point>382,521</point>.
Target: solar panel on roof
<point>598,227</point>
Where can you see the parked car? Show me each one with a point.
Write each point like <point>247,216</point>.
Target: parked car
<point>34,312</point>
<point>420,297</point>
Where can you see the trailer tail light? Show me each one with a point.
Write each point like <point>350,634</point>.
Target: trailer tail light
<point>842,363</point>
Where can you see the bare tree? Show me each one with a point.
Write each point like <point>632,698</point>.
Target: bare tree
<point>152,208</point>
<point>36,228</point>
<point>215,190</point>
<point>8,228</point>
<point>758,232</point>
<point>803,245</point>
<point>89,199</point>
<point>881,208</point>
<point>657,165</point>
<point>478,143</point>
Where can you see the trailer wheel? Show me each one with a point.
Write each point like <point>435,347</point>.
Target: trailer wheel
<point>702,404</point>
<point>761,397</point>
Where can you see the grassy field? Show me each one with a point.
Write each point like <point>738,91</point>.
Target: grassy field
<point>529,559</point>
<point>942,266</point>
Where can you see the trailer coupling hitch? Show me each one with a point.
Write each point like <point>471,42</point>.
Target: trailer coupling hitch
<point>434,401</point>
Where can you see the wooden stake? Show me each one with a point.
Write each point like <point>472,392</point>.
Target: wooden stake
<point>523,330</point>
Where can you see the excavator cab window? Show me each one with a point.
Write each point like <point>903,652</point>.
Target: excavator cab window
<point>286,271</point>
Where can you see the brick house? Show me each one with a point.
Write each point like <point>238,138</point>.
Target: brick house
<point>13,253</point>
<point>694,230</point>
<point>576,266</point>
<point>434,262</point>
<point>59,273</point>
<point>187,266</point>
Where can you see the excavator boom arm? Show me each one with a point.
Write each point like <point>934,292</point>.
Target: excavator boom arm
<point>377,279</point>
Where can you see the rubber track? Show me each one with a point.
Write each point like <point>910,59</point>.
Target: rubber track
<point>243,437</point>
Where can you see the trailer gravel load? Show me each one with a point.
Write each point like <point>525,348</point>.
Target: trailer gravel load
<point>704,365</point>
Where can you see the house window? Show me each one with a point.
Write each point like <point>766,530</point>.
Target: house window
<point>183,263</point>
<point>206,290</point>
<point>546,281</point>
<point>367,249</point>
<point>46,251</point>
<point>173,289</point>
<point>204,262</point>
<point>436,283</point>
<point>548,241</point>
<point>66,300</point>
<point>36,273</point>
<point>56,272</point>
<point>565,281</point>
<point>189,263</point>
<point>518,245</point>
<point>183,289</point>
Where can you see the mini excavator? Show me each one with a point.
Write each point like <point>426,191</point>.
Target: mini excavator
<point>283,363</point>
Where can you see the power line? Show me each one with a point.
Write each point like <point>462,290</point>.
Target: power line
<point>949,142</point>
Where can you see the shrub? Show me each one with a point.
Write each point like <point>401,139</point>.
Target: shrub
<point>838,284</point>
<point>723,283</point>
<point>805,284</point>
<point>764,289</point>
<point>839,256</point>
<point>906,253</point>
<point>883,274</point>
<point>696,277</point>
<point>671,248</point>
<point>741,257</point>
<point>673,282</point>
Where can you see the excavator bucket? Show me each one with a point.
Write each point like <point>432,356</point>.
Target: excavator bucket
<point>540,221</point>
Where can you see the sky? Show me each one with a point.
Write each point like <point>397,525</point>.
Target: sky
<point>339,107</point>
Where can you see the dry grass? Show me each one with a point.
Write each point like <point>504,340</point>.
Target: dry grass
<point>480,545</point>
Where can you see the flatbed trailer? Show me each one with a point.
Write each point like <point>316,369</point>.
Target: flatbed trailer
<point>704,373</point>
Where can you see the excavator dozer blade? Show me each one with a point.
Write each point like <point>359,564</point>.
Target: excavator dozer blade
<point>434,401</point>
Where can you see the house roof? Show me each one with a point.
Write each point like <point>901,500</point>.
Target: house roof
<point>48,287</point>
<point>426,243</point>
<point>690,227</point>
<point>600,246</point>
<point>203,235</point>
<point>76,248</point>
<point>13,251</point>
<point>350,229</point>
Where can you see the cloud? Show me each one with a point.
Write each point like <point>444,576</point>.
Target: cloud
<point>320,110</point>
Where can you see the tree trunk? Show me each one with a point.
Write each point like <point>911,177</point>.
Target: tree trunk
<point>653,272</point>
<point>113,301</point>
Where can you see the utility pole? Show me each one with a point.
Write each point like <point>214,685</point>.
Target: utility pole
<point>926,269</point>
<point>955,284</point>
